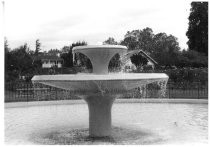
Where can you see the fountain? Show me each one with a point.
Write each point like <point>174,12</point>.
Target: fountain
<point>100,88</point>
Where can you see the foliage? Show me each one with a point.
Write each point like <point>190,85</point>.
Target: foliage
<point>115,63</point>
<point>185,77</point>
<point>198,27</point>
<point>6,46</point>
<point>138,60</point>
<point>68,57</point>
<point>192,58</point>
<point>65,49</point>
<point>139,39</point>
<point>38,45</point>
<point>166,49</point>
<point>162,47</point>
<point>110,41</point>
<point>18,62</point>
<point>54,51</point>
<point>189,75</point>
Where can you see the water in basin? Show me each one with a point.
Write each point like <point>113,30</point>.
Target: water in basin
<point>132,123</point>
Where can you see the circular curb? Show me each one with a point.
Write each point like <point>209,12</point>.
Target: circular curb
<point>72,102</point>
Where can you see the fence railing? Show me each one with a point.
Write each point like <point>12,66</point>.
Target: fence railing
<point>17,92</point>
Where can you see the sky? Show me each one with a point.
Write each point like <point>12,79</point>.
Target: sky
<point>57,23</point>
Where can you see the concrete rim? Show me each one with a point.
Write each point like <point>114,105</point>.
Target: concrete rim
<point>99,46</point>
<point>73,102</point>
<point>103,77</point>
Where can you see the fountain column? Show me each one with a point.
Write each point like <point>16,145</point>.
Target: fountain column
<point>100,105</point>
<point>99,115</point>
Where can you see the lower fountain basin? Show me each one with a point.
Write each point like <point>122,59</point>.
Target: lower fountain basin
<point>100,91</point>
<point>93,83</point>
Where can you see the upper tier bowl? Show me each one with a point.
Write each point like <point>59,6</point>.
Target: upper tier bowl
<point>100,55</point>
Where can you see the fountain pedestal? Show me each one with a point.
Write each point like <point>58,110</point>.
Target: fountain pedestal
<point>99,115</point>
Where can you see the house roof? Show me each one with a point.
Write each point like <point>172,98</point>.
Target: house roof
<point>148,57</point>
<point>142,53</point>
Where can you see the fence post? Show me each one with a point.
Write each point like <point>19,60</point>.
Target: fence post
<point>27,91</point>
<point>146,91</point>
<point>169,90</point>
<point>198,90</point>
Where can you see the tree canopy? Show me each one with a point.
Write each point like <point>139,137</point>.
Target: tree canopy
<point>38,45</point>
<point>162,47</point>
<point>198,27</point>
<point>110,41</point>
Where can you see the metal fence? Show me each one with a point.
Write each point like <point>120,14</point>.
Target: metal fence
<point>17,92</point>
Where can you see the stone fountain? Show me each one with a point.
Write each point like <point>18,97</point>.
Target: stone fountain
<point>100,88</point>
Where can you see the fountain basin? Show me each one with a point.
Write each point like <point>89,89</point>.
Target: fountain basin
<point>177,121</point>
<point>90,83</point>
<point>100,91</point>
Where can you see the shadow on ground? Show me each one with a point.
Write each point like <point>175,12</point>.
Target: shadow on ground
<point>120,136</point>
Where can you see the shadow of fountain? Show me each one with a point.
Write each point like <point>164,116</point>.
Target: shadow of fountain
<point>120,136</point>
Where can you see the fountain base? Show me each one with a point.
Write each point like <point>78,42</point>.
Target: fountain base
<point>99,115</point>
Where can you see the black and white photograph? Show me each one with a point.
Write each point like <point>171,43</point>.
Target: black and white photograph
<point>105,72</point>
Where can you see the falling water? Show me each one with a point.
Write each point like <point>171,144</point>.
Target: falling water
<point>163,86</point>
<point>126,58</point>
<point>142,89</point>
<point>124,88</point>
<point>105,87</point>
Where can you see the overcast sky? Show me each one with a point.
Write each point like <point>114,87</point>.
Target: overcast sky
<point>60,22</point>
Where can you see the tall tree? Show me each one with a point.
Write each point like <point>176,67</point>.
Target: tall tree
<point>198,27</point>
<point>6,46</point>
<point>38,45</point>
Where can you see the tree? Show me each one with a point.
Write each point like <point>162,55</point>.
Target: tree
<point>54,52</point>
<point>191,58</point>
<point>139,40</point>
<point>110,41</point>
<point>162,47</point>
<point>65,49</point>
<point>138,60</point>
<point>166,49</point>
<point>198,27</point>
<point>18,63</point>
<point>115,63</point>
<point>68,57</point>
<point>84,61</point>
<point>7,59</point>
<point>6,46</point>
<point>38,45</point>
